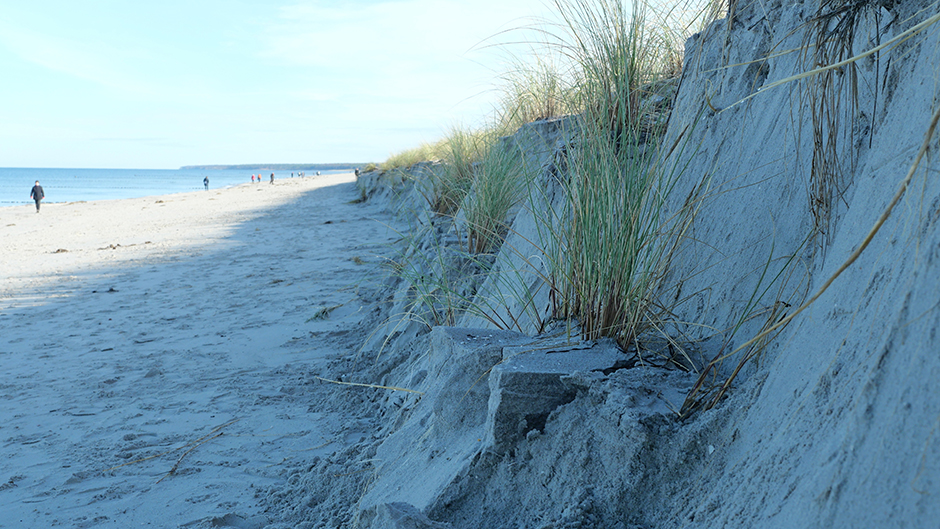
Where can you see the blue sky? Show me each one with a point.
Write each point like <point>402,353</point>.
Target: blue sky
<point>131,84</point>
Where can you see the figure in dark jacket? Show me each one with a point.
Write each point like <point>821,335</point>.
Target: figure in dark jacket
<point>37,194</point>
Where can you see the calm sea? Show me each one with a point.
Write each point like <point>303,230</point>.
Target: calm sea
<point>72,185</point>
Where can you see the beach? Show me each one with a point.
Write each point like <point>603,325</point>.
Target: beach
<point>706,297</point>
<point>160,354</point>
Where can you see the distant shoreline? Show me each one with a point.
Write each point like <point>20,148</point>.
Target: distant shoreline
<point>70,185</point>
<point>276,167</point>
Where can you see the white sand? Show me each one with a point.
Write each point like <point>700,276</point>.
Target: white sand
<point>195,319</point>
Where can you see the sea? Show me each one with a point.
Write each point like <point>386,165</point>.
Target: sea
<point>75,185</point>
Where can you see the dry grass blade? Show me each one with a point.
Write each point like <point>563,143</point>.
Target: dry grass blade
<point>901,38</point>
<point>692,401</point>
<point>866,241</point>
<point>374,386</point>
<point>192,443</point>
<point>180,460</point>
<point>833,30</point>
<point>323,312</point>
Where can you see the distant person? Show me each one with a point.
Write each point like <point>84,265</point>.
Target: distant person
<point>205,182</point>
<point>272,178</point>
<point>292,175</point>
<point>37,194</point>
<point>252,178</point>
<point>357,172</point>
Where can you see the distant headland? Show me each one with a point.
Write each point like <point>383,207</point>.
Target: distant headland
<point>277,167</point>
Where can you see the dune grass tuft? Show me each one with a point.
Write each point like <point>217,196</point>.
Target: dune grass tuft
<point>451,181</point>
<point>407,158</point>
<point>497,187</point>
<point>831,39</point>
<point>535,90</point>
<point>616,237</point>
<point>614,68</point>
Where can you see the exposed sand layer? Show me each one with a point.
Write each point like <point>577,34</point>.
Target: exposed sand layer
<point>159,353</point>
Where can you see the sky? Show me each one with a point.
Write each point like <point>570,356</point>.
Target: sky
<point>136,84</point>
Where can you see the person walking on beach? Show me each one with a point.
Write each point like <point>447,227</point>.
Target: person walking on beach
<point>272,178</point>
<point>37,194</point>
<point>205,182</point>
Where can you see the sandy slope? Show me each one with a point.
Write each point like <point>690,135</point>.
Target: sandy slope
<point>131,331</point>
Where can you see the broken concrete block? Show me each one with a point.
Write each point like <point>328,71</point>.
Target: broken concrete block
<point>443,433</point>
<point>460,361</point>
<point>527,386</point>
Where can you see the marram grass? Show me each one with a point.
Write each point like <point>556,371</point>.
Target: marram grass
<point>609,250</point>
<point>535,91</point>
<point>405,159</point>
<point>498,181</point>
<point>615,239</point>
<point>451,181</point>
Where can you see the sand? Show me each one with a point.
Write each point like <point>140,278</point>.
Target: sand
<point>159,353</point>
<point>197,323</point>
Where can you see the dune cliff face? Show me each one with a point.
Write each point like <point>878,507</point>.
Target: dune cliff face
<point>836,423</point>
<point>837,426</point>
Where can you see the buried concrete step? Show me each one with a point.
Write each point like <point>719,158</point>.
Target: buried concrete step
<point>527,386</point>
<point>441,435</point>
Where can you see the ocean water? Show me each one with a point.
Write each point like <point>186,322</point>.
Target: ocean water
<point>73,185</point>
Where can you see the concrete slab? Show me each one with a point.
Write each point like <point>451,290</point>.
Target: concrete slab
<point>528,385</point>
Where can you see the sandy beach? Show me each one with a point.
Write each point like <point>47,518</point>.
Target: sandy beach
<point>703,292</point>
<point>159,353</point>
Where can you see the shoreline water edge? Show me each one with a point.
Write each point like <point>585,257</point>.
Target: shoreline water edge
<point>78,185</point>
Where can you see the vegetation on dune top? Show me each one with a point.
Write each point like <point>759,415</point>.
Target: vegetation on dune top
<point>607,246</point>
<point>279,167</point>
<point>608,68</point>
